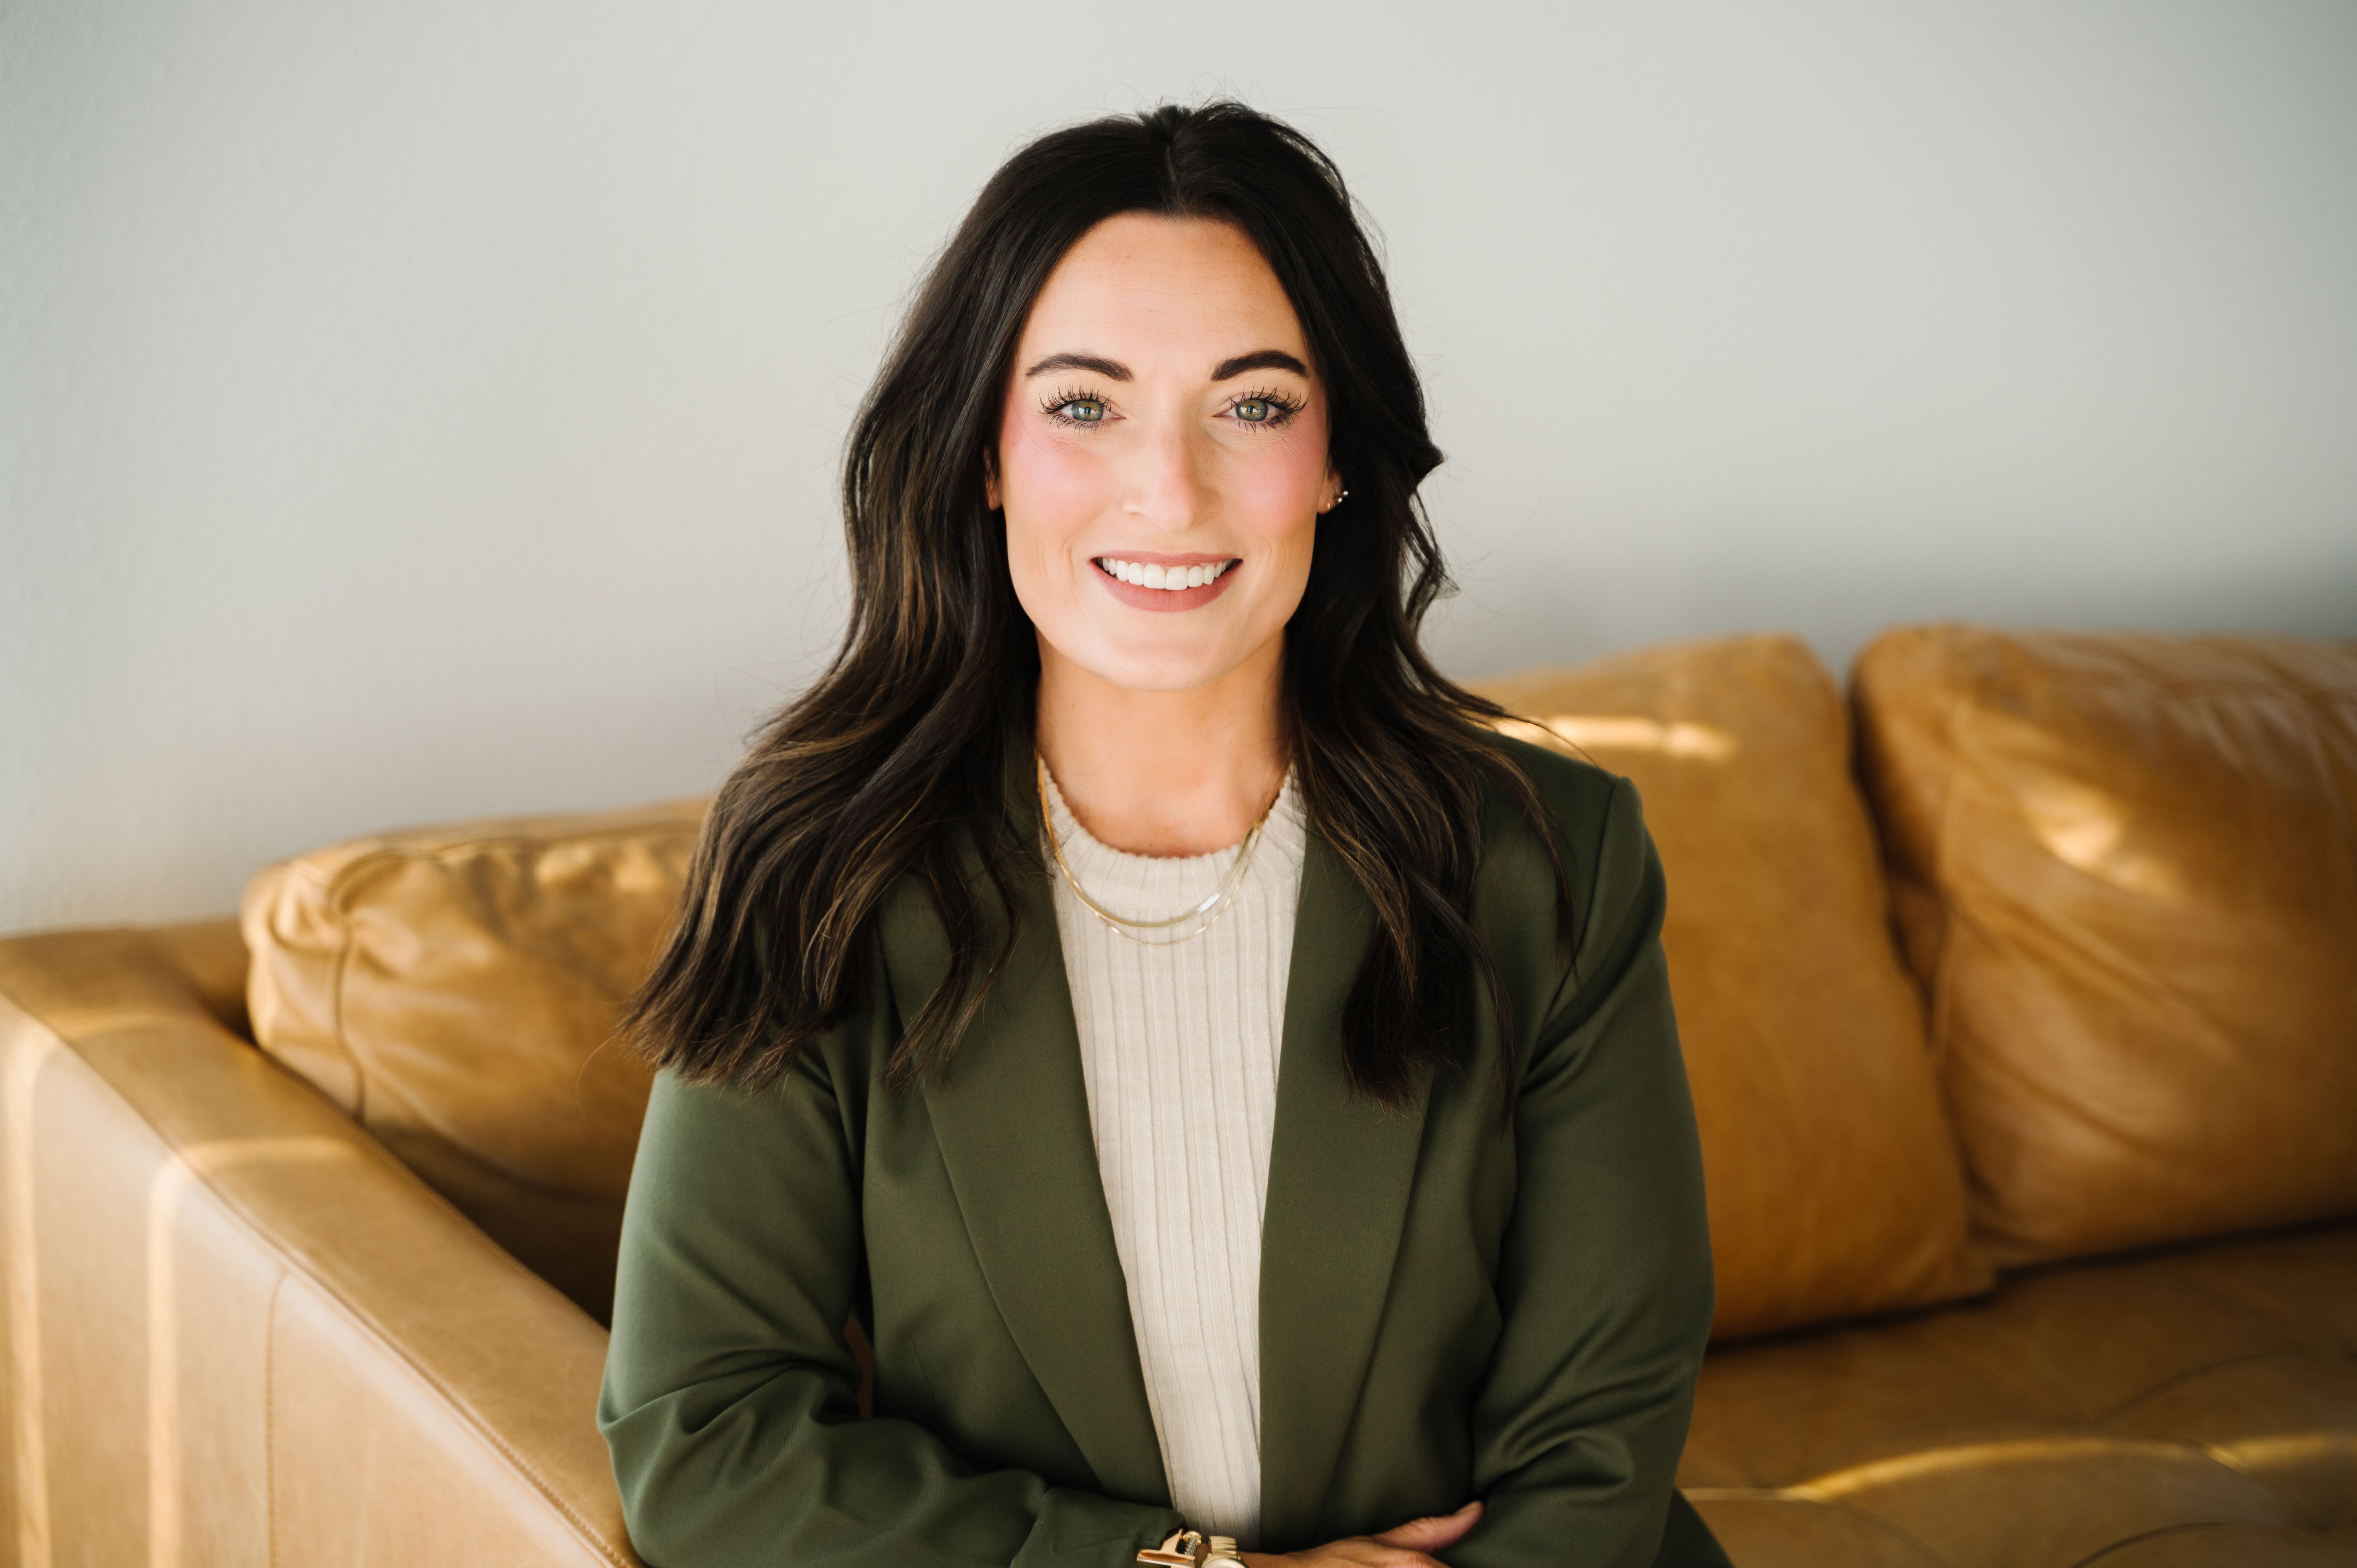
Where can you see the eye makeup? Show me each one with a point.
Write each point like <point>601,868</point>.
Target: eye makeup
<point>1266,408</point>
<point>1275,409</point>
<point>1061,407</point>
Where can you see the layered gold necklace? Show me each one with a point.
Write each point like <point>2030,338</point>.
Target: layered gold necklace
<point>1154,933</point>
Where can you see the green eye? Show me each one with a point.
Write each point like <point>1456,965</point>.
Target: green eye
<point>1083,411</point>
<point>1254,410</point>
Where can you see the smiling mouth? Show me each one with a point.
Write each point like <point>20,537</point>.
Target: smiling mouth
<point>1169,579</point>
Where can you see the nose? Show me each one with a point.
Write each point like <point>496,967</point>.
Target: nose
<point>1169,488</point>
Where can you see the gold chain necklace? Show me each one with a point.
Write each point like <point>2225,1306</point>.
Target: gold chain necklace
<point>1207,912</point>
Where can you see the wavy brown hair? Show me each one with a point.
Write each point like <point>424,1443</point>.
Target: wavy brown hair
<point>893,763</point>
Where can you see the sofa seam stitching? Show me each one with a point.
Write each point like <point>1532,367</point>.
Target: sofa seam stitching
<point>1944,882</point>
<point>1941,1022</point>
<point>270,1416</point>
<point>345,938</point>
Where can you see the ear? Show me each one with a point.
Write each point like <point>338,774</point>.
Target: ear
<point>1334,491</point>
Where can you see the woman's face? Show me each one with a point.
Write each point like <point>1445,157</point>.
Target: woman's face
<point>1161,455</point>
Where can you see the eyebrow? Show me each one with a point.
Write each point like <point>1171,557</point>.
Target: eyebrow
<point>1114,371</point>
<point>1111,370</point>
<point>1260,359</point>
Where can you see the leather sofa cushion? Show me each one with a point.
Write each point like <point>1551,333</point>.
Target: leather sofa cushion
<point>1833,1184</point>
<point>455,989</point>
<point>2191,1407</point>
<point>2126,873</point>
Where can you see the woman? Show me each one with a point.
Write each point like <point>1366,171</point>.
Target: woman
<point>1234,1093</point>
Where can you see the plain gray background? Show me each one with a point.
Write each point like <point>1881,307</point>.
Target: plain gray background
<point>417,411</point>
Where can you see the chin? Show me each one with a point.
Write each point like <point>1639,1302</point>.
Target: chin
<point>1160,675</point>
<point>1170,670</point>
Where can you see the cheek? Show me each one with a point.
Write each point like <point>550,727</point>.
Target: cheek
<point>1049,490</point>
<point>1279,493</point>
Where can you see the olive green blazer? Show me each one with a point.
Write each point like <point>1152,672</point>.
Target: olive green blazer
<point>1450,1308</point>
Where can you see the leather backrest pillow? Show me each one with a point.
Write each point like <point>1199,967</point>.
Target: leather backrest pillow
<point>1834,1183</point>
<point>2126,871</point>
<point>455,989</point>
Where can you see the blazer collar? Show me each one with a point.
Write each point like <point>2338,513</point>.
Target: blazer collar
<point>1011,1117</point>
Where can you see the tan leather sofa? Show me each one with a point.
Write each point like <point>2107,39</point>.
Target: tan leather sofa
<point>2019,997</point>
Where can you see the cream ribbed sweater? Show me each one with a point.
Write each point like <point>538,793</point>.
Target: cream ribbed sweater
<point>1178,1047</point>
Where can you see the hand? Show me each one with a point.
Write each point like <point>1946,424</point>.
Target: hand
<point>1409,1546</point>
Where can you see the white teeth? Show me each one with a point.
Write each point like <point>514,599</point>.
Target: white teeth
<point>1169,579</point>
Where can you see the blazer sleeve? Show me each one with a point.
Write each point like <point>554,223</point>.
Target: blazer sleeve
<point>730,1403</point>
<point>1604,1281</point>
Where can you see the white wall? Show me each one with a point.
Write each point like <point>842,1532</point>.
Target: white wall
<point>409,410</point>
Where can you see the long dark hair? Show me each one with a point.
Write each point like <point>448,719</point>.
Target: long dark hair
<point>893,762</point>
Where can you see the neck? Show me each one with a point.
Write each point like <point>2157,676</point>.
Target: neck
<point>1165,773</point>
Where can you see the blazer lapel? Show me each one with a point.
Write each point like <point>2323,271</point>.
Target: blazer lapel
<point>1339,1175</point>
<point>1011,1117</point>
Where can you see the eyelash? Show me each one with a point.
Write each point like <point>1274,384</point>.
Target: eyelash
<point>1054,409</point>
<point>1281,408</point>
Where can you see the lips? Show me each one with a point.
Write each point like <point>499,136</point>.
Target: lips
<point>1180,583</point>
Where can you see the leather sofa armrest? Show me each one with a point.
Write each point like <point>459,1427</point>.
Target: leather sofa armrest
<point>236,1328</point>
<point>211,954</point>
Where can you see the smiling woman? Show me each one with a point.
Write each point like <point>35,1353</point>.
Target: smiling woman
<point>1232,1089</point>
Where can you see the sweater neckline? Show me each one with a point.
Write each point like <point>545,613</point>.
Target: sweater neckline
<point>1284,832</point>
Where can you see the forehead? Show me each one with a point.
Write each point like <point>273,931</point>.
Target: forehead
<point>1139,282</point>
